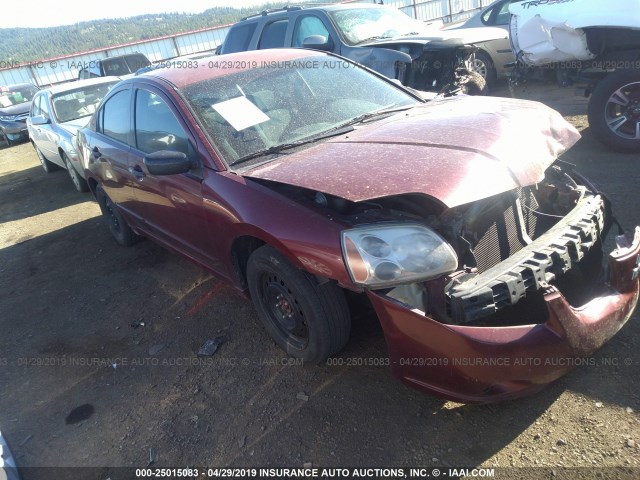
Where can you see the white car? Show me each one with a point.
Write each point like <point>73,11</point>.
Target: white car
<point>493,56</point>
<point>56,115</point>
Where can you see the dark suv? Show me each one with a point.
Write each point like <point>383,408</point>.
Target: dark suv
<point>381,38</point>
<point>114,66</point>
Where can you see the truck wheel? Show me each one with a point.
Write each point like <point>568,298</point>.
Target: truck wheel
<point>475,84</point>
<point>614,111</point>
<point>308,319</point>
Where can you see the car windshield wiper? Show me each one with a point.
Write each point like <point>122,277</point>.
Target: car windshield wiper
<point>339,130</point>
<point>377,113</point>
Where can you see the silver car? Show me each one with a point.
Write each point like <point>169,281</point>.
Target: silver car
<point>8,467</point>
<point>56,115</point>
<point>493,55</point>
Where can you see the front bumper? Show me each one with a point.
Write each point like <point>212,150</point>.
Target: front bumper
<point>15,130</point>
<point>489,364</point>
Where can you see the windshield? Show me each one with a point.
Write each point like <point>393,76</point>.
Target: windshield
<point>79,103</point>
<point>17,94</point>
<point>285,102</point>
<point>360,24</point>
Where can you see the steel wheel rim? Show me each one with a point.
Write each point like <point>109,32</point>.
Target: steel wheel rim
<point>622,111</point>
<point>284,310</point>
<point>109,207</point>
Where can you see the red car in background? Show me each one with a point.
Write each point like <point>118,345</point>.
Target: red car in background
<point>299,176</point>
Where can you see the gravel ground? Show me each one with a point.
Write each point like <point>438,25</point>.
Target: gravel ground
<point>98,362</point>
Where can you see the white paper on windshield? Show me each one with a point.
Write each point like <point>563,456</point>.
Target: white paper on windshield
<point>240,113</point>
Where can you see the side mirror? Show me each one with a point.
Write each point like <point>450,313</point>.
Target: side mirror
<point>317,42</point>
<point>166,162</point>
<point>40,120</point>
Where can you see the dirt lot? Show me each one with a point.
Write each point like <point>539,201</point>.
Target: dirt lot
<point>98,360</point>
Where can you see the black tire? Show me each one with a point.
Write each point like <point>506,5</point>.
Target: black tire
<point>47,166</point>
<point>118,226</point>
<point>78,182</point>
<point>614,124</point>
<point>4,140</point>
<point>307,319</point>
<point>483,65</point>
<point>475,84</point>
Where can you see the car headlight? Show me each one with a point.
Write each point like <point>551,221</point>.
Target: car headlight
<point>7,118</point>
<point>383,256</point>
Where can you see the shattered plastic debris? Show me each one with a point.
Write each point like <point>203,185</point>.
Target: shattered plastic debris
<point>211,346</point>
<point>153,456</point>
<point>302,396</point>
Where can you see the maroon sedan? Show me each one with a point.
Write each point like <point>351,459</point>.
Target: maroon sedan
<point>298,176</point>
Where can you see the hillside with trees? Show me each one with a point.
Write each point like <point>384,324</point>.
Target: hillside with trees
<point>32,44</point>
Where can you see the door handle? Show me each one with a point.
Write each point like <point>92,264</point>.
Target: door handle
<point>137,172</point>
<point>95,153</point>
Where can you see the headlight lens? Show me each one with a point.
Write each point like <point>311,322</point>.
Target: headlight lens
<point>7,118</point>
<point>384,256</point>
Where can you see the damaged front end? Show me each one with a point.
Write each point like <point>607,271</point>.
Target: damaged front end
<point>528,297</point>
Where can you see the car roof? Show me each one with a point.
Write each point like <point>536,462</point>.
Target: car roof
<point>18,85</point>
<point>222,65</point>
<point>74,85</point>
<point>310,7</point>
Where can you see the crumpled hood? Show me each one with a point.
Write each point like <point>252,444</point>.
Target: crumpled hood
<point>456,150</point>
<point>463,35</point>
<point>15,109</point>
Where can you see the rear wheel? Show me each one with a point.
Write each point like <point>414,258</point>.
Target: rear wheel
<point>47,166</point>
<point>614,111</point>
<point>78,182</point>
<point>308,319</point>
<point>118,226</point>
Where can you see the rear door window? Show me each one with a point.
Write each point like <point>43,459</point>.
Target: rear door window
<point>238,38</point>
<point>273,34</point>
<point>114,118</point>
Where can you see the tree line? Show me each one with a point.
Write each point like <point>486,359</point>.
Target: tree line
<point>33,44</point>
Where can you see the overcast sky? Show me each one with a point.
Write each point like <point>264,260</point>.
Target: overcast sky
<point>47,13</point>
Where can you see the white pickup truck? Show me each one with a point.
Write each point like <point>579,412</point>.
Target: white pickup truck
<point>593,42</point>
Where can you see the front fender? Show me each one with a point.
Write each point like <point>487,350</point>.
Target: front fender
<point>382,60</point>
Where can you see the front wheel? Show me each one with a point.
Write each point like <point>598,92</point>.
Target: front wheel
<point>474,84</point>
<point>4,139</point>
<point>483,65</point>
<point>78,182</point>
<point>614,111</point>
<point>308,319</point>
<point>47,166</point>
<point>118,226</point>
